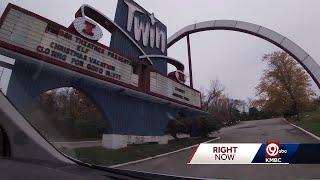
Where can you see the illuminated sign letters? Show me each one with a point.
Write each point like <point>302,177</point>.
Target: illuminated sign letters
<point>152,35</point>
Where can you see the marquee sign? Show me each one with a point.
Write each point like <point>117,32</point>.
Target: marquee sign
<point>142,26</point>
<point>167,87</point>
<point>39,37</point>
<point>149,31</point>
<point>76,48</point>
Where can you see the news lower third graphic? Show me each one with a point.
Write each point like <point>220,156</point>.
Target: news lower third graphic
<point>271,152</point>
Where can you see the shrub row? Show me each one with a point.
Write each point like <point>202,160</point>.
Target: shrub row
<point>200,126</point>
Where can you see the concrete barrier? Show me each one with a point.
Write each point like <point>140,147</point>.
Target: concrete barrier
<point>115,141</point>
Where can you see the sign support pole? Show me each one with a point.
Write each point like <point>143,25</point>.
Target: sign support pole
<point>189,59</point>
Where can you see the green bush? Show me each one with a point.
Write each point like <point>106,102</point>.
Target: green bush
<point>174,127</point>
<point>202,126</point>
<point>199,126</point>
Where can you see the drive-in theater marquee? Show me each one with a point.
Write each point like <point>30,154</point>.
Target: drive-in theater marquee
<point>76,48</point>
<point>128,80</point>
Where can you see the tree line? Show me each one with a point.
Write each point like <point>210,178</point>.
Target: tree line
<point>284,90</point>
<point>66,114</point>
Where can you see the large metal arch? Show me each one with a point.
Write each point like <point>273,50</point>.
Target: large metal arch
<point>307,62</point>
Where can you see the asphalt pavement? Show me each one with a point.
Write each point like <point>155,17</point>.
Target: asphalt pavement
<point>259,131</point>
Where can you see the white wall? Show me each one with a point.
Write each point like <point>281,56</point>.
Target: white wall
<point>5,73</point>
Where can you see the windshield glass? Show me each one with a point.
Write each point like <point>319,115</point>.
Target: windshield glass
<point>114,84</point>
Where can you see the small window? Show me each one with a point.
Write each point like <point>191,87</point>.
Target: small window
<point>134,69</point>
<point>52,29</point>
<point>4,144</point>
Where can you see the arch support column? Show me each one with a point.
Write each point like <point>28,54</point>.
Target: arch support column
<point>189,61</point>
<point>131,119</point>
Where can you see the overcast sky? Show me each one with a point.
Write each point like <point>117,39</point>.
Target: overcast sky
<point>232,57</point>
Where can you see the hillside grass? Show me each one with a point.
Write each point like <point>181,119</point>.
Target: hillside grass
<point>107,157</point>
<point>309,121</point>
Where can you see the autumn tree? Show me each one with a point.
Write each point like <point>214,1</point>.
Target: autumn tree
<point>285,87</point>
<point>217,103</point>
<point>72,113</point>
<point>213,95</point>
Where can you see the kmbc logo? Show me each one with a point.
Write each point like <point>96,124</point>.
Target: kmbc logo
<point>273,152</point>
<point>272,149</point>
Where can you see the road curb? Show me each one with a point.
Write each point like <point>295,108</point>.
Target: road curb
<point>305,131</point>
<point>75,142</point>
<point>160,155</point>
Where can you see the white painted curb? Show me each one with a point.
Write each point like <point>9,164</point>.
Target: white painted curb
<point>305,131</point>
<point>75,142</point>
<point>160,155</point>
